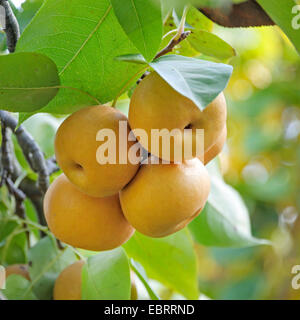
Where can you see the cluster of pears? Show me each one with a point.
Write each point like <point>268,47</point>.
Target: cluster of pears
<point>98,206</point>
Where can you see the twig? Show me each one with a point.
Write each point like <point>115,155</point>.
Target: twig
<point>245,14</point>
<point>32,151</point>
<point>12,28</point>
<point>30,188</point>
<point>7,169</point>
<point>179,37</point>
<point>19,196</point>
<point>5,153</point>
<point>33,190</point>
<point>52,165</point>
<point>173,43</point>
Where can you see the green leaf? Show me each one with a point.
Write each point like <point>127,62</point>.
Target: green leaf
<point>16,286</point>
<point>106,276</point>
<point>140,272</point>
<point>198,20</point>
<point>6,226</point>
<point>285,17</point>
<point>14,248</point>
<point>28,81</point>
<point>170,260</point>
<point>46,263</point>
<point>142,22</point>
<point>134,58</point>
<point>183,48</point>
<point>200,81</point>
<point>83,38</point>
<point>43,128</point>
<point>211,45</point>
<point>27,12</point>
<point>224,222</point>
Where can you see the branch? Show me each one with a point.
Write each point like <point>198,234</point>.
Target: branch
<point>29,187</point>
<point>31,150</point>
<point>245,14</point>
<point>5,153</point>
<point>33,190</point>
<point>12,28</point>
<point>179,37</point>
<point>173,43</point>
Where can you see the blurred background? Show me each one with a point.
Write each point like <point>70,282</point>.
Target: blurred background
<point>261,160</point>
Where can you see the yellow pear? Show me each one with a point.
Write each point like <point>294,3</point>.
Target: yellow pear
<point>216,148</point>
<point>68,284</point>
<point>156,105</point>
<point>164,198</point>
<point>76,150</point>
<point>82,221</point>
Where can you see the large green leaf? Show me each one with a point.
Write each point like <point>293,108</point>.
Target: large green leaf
<point>28,81</point>
<point>142,22</point>
<point>83,38</point>
<point>170,260</point>
<point>283,13</point>
<point>106,276</point>
<point>224,222</point>
<point>16,286</point>
<point>46,263</point>
<point>199,80</point>
<point>14,248</point>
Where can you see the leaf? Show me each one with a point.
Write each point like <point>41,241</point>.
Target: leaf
<point>283,15</point>
<point>6,226</point>
<point>46,263</point>
<point>106,276</point>
<point>142,22</point>
<point>14,248</point>
<point>27,12</point>
<point>43,128</point>
<point>224,222</point>
<point>83,38</point>
<point>200,81</point>
<point>16,285</point>
<point>211,45</point>
<point>28,81</point>
<point>170,260</point>
<point>140,272</point>
<point>198,20</point>
<point>134,58</point>
<point>183,48</point>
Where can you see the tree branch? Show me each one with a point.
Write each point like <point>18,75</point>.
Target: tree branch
<point>173,43</point>
<point>12,28</point>
<point>31,150</point>
<point>169,48</point>
<point>29,187</point>
<point>44,168</point>
<point>245,14</point>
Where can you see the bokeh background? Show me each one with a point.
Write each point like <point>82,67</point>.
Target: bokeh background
<point>261,160</point>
